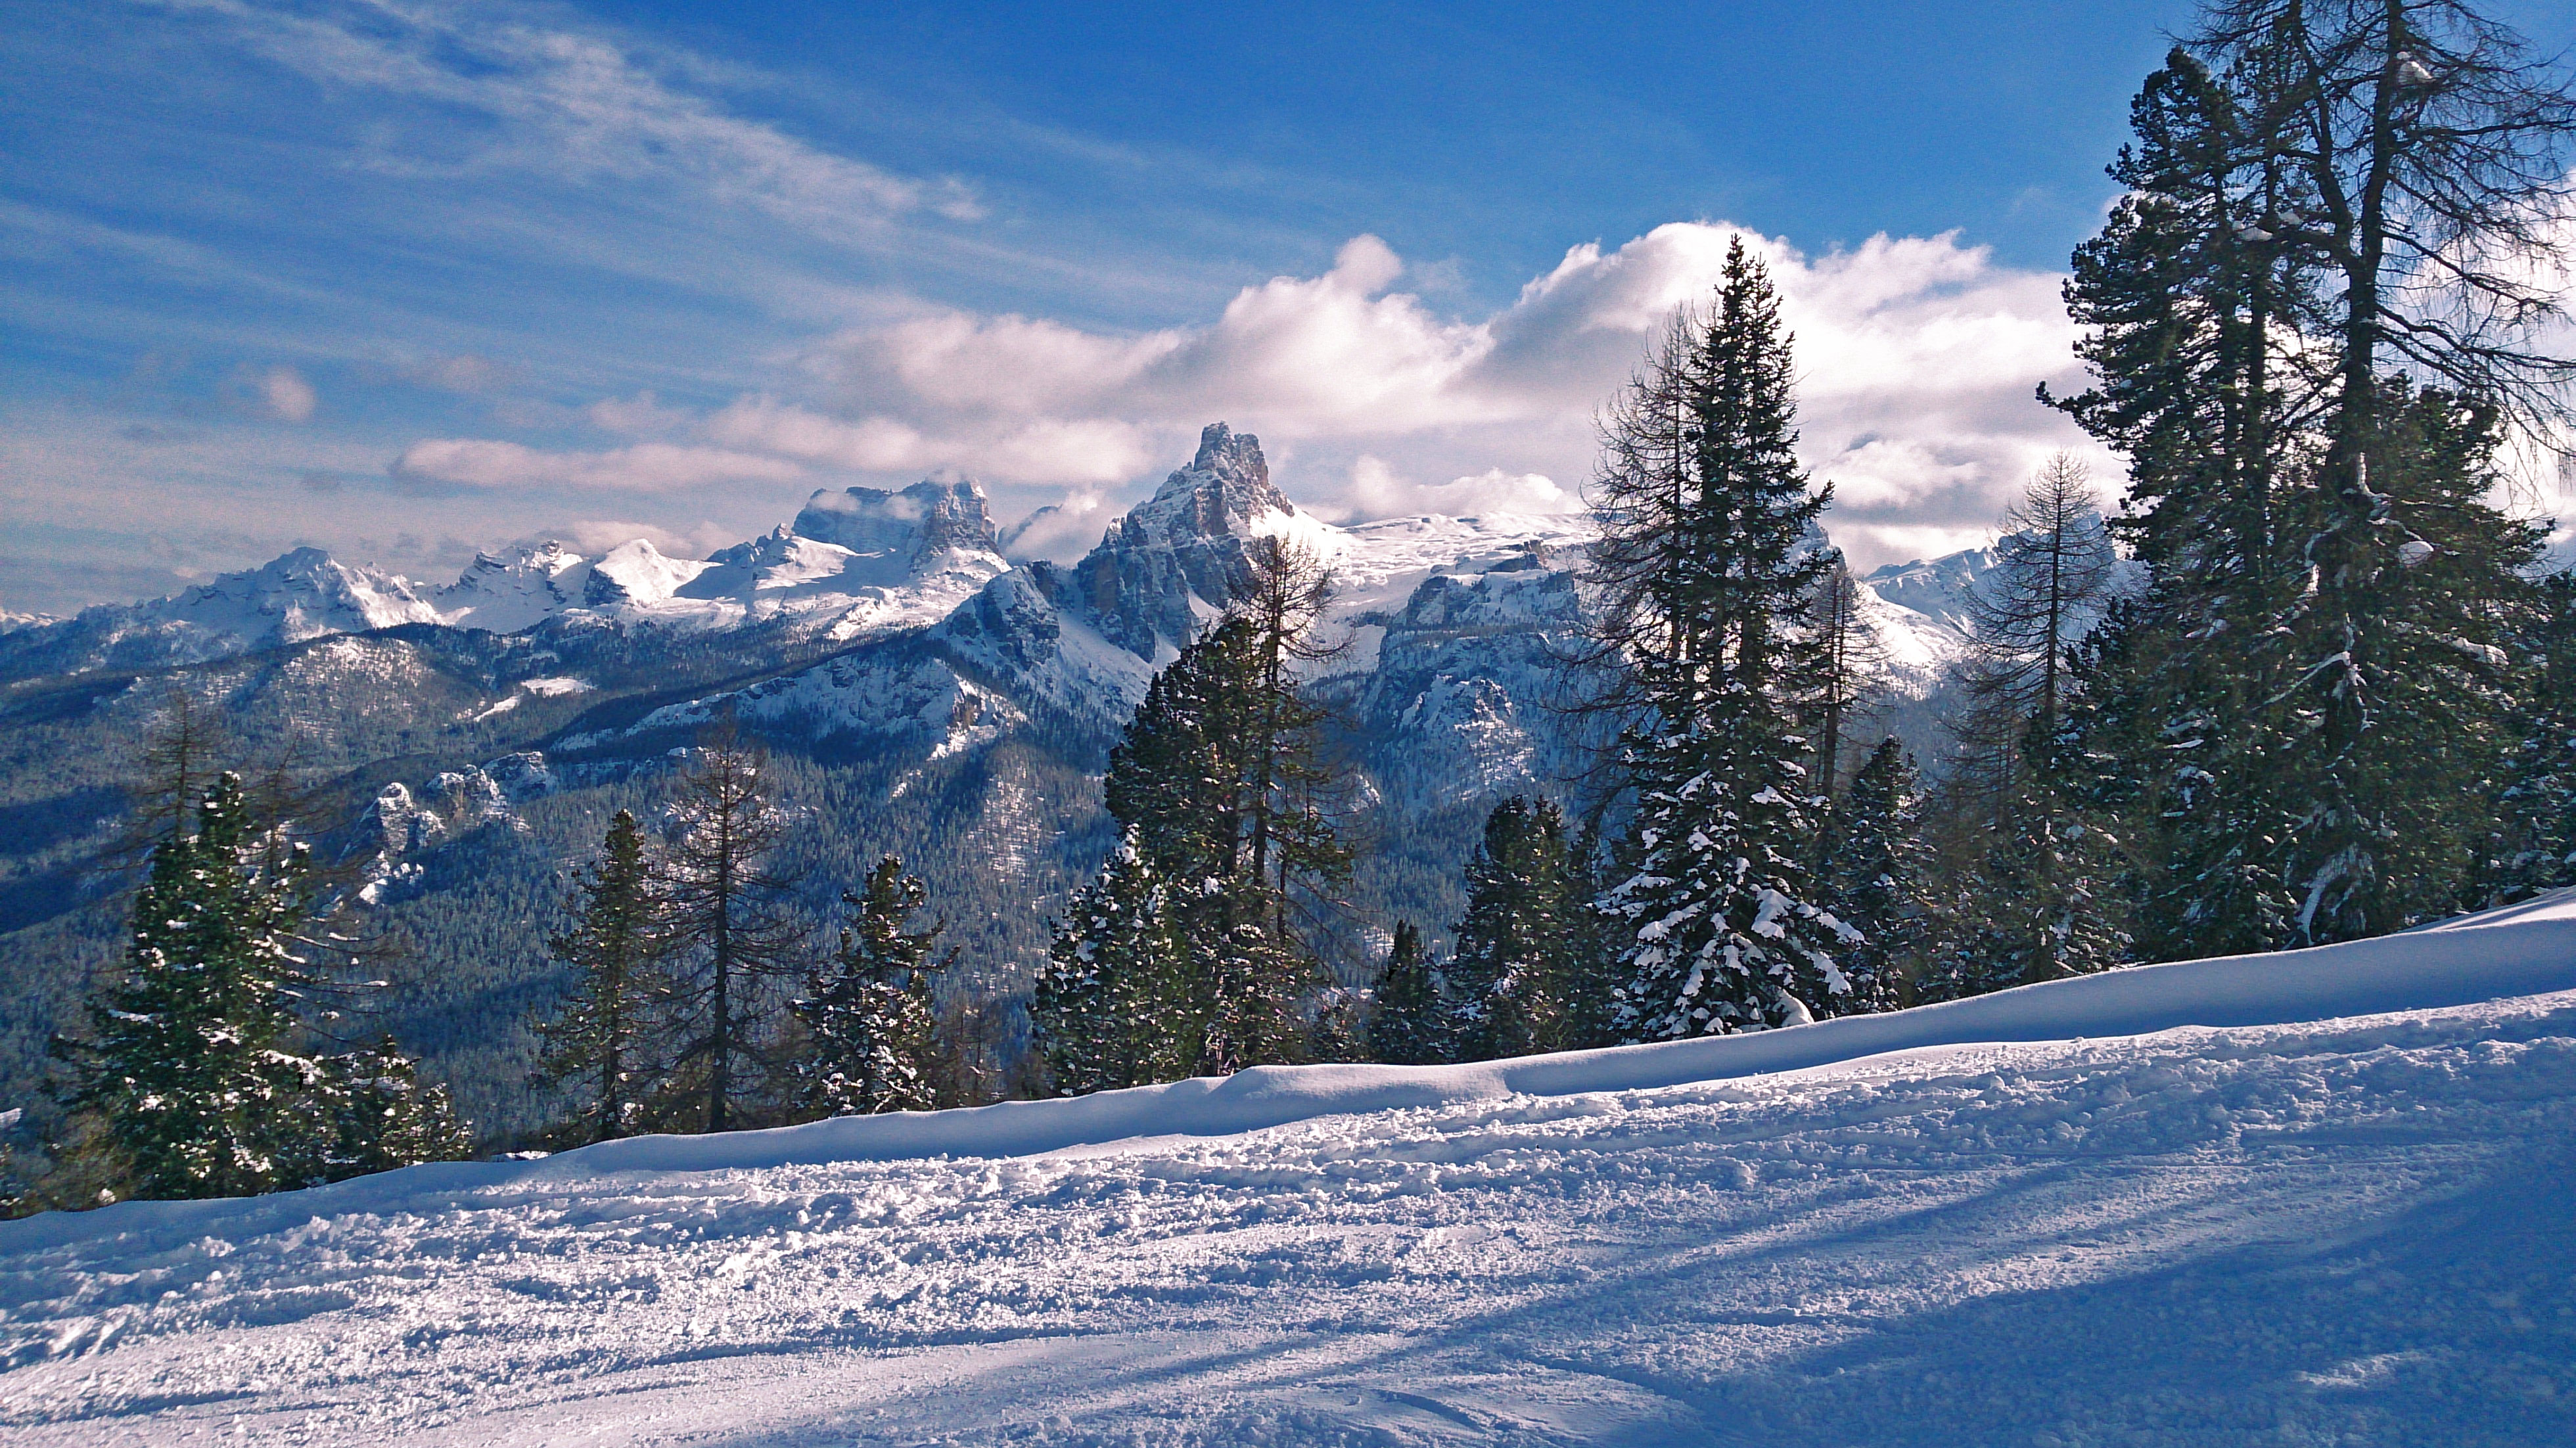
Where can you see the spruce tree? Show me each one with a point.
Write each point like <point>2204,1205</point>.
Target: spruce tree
<point>188,1061</point>
<point>601,1042</point>
<point>871,1035</point>
<point>1719,930</point>
<point>1874,881</point>
<point>366,1111</point>
<point>1112,1006</point>
<point>1410,1026</point>
<point>1511,970</point>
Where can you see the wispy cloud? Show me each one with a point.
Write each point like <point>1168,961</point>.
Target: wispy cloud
<point>567,103</point>
<point>645,467</point>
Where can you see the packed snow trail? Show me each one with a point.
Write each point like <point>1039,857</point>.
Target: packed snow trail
<point>2353,1229</point>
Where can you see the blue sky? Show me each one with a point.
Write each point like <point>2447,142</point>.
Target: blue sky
<point>407,279</point>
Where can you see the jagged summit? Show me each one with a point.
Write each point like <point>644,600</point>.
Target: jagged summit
<point>1225,490</point>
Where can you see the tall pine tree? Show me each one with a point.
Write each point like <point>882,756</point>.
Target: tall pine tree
<point>601,1044</point>
<point>1874,880</point>
<point>1513,972</point>
<point>2312,318</point>
<point>1717,573</point>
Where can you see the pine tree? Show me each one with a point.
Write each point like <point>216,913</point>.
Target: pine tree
<point>728,909</point>
<point>601,1042</point>
<point>2315,313</point>
<point>1411,1024</point>
<point>1216,784</point>
<point>871,1035</point>
<point>1256,978</point>
<point>1511,970</point>
<point>1874,882</point>
<point>188,1062</point>
<point>1717,580</point>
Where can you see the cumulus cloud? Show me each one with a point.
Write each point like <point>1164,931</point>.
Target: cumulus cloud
<point>647,467</point>
<point>285,395</point>
<point>1062,531</point>
<point>1014,449</point>
<point>1916,359</point>
<point>595,536</point>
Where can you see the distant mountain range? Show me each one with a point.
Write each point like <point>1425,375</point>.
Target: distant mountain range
<point>921,693</point>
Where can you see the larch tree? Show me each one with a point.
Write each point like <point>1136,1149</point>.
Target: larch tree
<point>2047,899</point>
<point>735,936</point>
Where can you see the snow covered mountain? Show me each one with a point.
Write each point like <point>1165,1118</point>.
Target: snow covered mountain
<point>853,564</point>
<point>2317,1197</point>
<point>300,595</point>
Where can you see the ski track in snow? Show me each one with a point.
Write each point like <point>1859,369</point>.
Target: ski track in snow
<point>2348,1232</point>
<point>2336,1210</point>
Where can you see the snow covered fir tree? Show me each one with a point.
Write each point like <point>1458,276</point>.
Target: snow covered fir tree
<point>1709,568</point>
<point>870,1037</point>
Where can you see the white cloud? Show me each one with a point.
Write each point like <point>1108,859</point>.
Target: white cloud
<point>595,536</point>
<point>1376,491</point>
<point>1916,357</point>
<point>642,415</point>
<point>647,467</point>
<point>285,395</point>
<point>1061,531</point>
<point>1012,449</point>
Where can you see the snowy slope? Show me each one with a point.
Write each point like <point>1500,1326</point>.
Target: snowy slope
<point>2307,1198</point>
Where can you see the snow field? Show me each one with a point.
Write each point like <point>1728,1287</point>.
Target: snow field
<point>2353,1231</point>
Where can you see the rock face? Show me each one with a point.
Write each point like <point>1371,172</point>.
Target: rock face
<point>1468,697</point>
<point>1173,560</point>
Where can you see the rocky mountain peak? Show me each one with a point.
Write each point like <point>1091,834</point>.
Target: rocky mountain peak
<point>1224,490</point>
<point>924,519</point>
